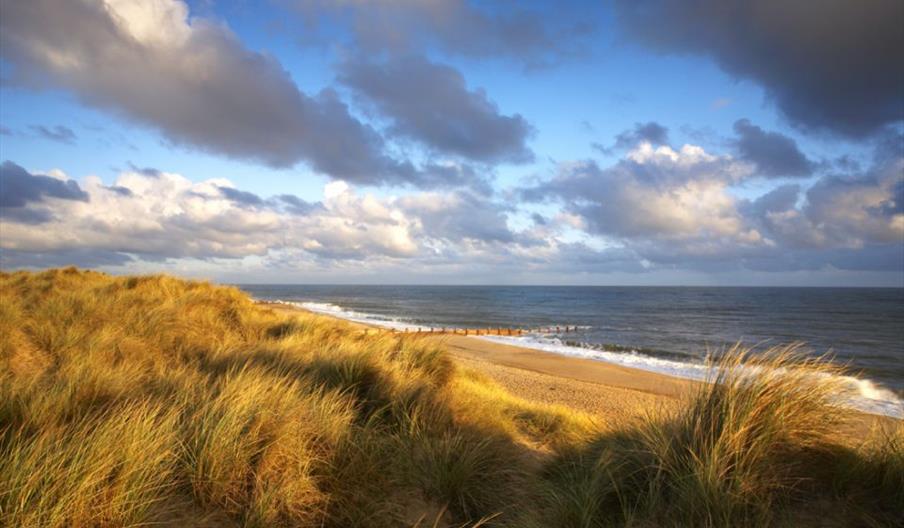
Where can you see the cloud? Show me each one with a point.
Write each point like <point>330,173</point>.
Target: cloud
<point>240,197</point>
<point>834,67</point>
<point>71,257</point>
<point>774,154</point>
<point>679,209</point>
<point>150,172</point>
<point>294,204</point>
<point>158,215</point>
<point>458,216</point>
<point>57,133</point>
<point>430,103</point>
<point>21,187</point>
<point>649,132</point>
<point>538,219</point>
<point>474,29</point>
<point>192,80</point>
<point>843,212</point>
<point>654,193</point>
<point>656,209</point>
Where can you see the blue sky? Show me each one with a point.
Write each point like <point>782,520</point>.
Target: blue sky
<point>455,142</point>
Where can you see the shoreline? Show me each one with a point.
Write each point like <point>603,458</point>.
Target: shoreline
<point>603,389</point>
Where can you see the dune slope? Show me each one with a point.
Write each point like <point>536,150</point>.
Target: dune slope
<point>126,401</point>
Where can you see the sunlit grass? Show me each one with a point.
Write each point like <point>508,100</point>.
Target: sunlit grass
<point>141,401</point>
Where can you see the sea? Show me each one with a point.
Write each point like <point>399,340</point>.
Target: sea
<point>670,330</point>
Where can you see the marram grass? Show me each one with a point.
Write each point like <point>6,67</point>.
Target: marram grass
<point>152,401</point>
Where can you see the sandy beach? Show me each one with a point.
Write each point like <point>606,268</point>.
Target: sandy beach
<point>611,392</point>
<point>607,390</point>
<point>603,389</point>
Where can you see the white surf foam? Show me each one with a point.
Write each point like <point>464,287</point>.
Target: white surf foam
<point>863,394</point>
<point>358,317</point>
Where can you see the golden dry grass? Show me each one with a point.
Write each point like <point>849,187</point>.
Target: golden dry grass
<point>137,401</point>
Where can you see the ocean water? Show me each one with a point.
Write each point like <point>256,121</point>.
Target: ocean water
<point>662,329</point>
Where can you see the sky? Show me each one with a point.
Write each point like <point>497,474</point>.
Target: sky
<point>701,142</point>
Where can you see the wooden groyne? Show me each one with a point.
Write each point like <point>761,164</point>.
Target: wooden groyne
<point>475,331</point>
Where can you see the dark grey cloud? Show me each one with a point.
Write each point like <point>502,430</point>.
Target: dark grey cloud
<point>436,175</point>
<point>193,81</point>
<point>782,198</point>
<point>775,155</point>
<point>650,132</point>
<point>5,131</point>
<point>241,197</point>
<point>20,187</point>
<point>87,258</point>
<point>150,172</point>
<point>534,34</point>
<point>57,133</point>
<point>24,215</point>
<point>122,191</point>
<point>431,103</point>
<point>538,219</point>
<point>834,66</point>
<point>296,205</point>
<point>846,163</point>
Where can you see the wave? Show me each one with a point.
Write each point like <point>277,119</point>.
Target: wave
<point>357,317</point>
<point>862,394</point>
